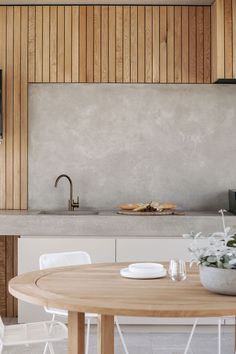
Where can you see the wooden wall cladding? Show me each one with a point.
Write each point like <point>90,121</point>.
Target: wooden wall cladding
<point>224,39</point>
<point>13,150</point>
<point>144,44</point>
<point>8,269</point>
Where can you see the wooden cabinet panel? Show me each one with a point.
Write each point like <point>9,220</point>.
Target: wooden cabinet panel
<point>97,43</point>
<point>53,44</point>
<point>31,43</point>
<point>185,44</point>
<point>3,39</point>
<point>61,44</point>
<point>39,44</point>
<point>228,39</point>
<point>68,44</point>
<point>9,119</point>
<point>223,40</point>
<point>234,36</point>
<point>141,43</point>
<point>171,53</point>
<point>119,43</point>
<point>134,43</point>
<point>75,44</point>
<point>178,48</point>
<point>8,269</point>
<point>126,54</point>
<point>104,44</point>
<point>200,43</point>
<point>112,44</point>
<point>46,45</point>
<point>207,45</point>
<point>192,45</point>
<point>89,46</point>
<point>163,44</point>
<point>82,43</point>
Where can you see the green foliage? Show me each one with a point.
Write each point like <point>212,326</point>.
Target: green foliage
<point>232,241</point>
<point>220,251</point>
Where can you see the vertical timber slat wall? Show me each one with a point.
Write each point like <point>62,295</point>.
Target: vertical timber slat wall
<point>145,44</point>
<point>13,150</point>
<point>123,44</point>
<point>223,41</point>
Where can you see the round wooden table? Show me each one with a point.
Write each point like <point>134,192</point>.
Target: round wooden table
<point>99,288</point>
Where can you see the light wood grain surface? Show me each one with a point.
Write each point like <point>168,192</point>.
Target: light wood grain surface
<point>223,13</point>
<point>99,288</point>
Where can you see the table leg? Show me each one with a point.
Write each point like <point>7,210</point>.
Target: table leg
<point>235,334</point>
<point>76,324</point>
<point>105,334</point>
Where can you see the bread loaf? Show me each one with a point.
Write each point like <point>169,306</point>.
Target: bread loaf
<point>129,206</point>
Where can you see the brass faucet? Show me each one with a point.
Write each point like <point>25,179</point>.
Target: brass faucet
<point>71,203</point>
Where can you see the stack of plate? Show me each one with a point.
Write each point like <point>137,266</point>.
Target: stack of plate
<point>144,271</point>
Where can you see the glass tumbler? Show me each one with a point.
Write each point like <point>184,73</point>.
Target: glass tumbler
<point>177,270</point>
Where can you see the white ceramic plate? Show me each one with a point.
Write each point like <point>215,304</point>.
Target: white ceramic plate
<point>145,267</point>
<point>126,273</point>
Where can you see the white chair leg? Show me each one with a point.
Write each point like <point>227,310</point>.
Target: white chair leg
<point>50,328</point>
<point>45,348</point>
<point>1,347</point>
<point>191,336</point>
<point>219,336</point>
<point>121,336</point>
<point>51,350</point>
<point>87,336</point>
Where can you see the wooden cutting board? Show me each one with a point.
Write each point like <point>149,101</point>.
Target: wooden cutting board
<point>149,213</point>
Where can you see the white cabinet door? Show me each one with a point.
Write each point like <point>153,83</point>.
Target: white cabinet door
<point>159,249</point>
<point>30,249</point>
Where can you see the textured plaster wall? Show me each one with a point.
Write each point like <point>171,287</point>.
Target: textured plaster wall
<point>130,143</point>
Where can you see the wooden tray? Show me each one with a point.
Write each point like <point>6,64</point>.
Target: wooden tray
<point>149,213</point>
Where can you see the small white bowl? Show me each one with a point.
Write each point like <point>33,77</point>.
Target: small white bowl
<point>135,275</point>
<point>145,268</point>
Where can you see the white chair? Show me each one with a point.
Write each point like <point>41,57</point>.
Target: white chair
<point>32,333</point>
<point>192,333</point>
<point>52,260</point>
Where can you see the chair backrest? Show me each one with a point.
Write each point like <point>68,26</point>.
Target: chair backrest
<point>61,259</point>
<point>2,328</point>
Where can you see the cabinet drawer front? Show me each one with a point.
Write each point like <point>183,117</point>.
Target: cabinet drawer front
<point>161,249</point>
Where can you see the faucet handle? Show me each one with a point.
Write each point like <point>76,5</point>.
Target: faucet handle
<point>75,204</point>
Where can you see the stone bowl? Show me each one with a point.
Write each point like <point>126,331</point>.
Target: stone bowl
<point>217,280</point>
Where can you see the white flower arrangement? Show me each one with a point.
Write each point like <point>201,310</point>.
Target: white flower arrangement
<point>220,251</point>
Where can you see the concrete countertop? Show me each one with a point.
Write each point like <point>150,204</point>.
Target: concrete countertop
<point>109,224</point>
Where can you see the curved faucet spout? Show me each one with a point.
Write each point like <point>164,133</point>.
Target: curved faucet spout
<point>71,204</point>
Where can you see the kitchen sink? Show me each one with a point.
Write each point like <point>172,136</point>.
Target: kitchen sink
<point>69,212</point>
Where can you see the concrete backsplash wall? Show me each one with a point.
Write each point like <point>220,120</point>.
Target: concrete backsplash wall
<point>131,143</point>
